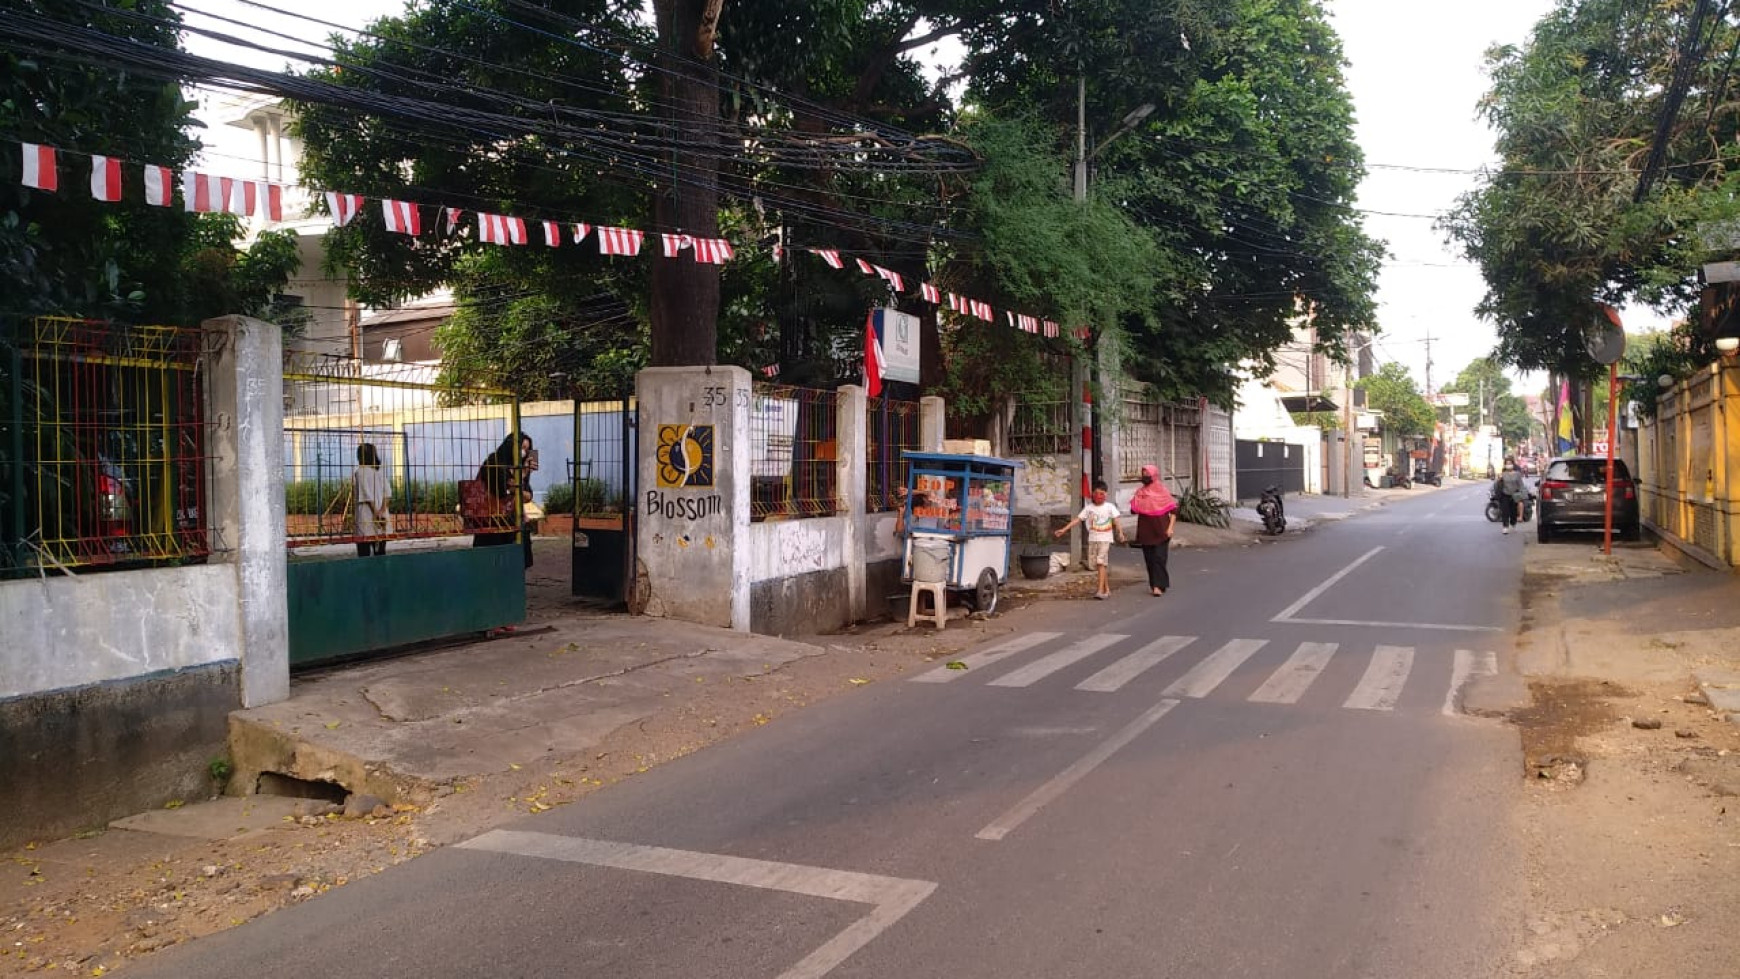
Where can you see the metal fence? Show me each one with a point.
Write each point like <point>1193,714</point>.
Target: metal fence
<point>794,448</point>
<point>102,446</point>
<point>1043,428</point>
<point>346,423</point>
<point>1158,433</point>
<point>892,428</point>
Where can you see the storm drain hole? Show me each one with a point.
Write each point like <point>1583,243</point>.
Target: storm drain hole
<point>290,787</point>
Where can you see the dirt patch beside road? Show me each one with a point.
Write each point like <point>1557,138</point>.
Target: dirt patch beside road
<point>1630,821</point>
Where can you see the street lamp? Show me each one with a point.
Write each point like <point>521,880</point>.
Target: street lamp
<point>1131,119</point>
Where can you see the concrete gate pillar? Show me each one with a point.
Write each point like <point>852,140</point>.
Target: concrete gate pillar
<point>694,485</point>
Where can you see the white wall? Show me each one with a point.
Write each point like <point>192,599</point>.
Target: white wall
<point>68,632</point>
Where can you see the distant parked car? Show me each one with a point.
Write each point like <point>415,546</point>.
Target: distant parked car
<point>1573,496</point>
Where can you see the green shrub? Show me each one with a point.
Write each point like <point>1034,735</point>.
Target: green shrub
<point>309,497</point>
<point>594,496</point>
<point>559,498</point>
<point>425,496</point>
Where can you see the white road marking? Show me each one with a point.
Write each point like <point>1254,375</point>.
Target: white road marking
<point>985,657</point>
<point>1313,594</point>
<point>1381,686</point>
<point>1442,627</point>
<point>892,897</point>
<point>1005,824</point>
<point>1469,664</point>
<point>1134,665</point>
<point>1043,667</point>
<point>1208,674</point>
<point>1287,684</point>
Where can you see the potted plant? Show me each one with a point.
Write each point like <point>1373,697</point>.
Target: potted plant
<point>558,510</point>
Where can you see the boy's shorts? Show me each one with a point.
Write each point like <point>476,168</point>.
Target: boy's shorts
<point>1099,553</point>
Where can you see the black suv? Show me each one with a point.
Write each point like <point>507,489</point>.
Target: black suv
<point>1573,496</point>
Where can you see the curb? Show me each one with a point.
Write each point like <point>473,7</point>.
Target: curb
<point>1722,689</point>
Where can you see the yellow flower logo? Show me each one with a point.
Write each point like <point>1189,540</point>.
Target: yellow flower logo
<point>685,456</point>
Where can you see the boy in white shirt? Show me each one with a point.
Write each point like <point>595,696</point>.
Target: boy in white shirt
<point>1102,527</point>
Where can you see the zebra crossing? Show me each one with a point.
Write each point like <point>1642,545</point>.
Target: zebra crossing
<point>1386,674</point>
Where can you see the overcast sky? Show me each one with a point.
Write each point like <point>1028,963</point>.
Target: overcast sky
<point>1415,71</point>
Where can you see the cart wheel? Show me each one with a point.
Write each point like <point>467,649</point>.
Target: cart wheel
<point>985,593</point>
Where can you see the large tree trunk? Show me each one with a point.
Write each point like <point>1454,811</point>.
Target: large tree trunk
<point>685,293</point>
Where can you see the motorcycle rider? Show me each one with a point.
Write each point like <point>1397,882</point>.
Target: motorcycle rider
<point>1510,490</point>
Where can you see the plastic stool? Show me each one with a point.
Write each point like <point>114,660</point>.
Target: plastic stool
<point>939,603</point>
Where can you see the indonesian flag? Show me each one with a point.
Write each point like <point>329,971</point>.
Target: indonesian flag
<point>580,232</point>
<point>829,255</point>
<point>344,207</point>
<point>714,251</point>
<point>929,292</point>
<point>39,169</point>
<point>105,178</point>
<point>499,229</point>
<point>620,241</point>
<point>553,234</point>
<point>1029,324</point>
<point>450,219</point>
<point>1009,315</point>
<point>402,217</point>
<point>674,243</point>
<point>158,184</point>
<point>1051,328</point>
<point>982,310</point>
<point>865,267</point>
<point>872,356</point>
<point>956,303</point>
<point>892,278</point>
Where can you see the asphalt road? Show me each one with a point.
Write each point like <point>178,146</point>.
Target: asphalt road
<point>1255,775</point>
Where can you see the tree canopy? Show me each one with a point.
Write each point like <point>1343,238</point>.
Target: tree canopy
<point>1560,225</point>
<point>66,253</point>
<point>1211,226</point>
<point>1392,391</point>
<point>1484,381</point>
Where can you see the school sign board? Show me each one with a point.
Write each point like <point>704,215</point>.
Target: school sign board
<point>898,333</point>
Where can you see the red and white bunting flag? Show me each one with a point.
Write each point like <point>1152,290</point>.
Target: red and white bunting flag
<point>865,267</point>
<point>450,219</point>
<point>1010,316</point>
<point>271,200</point>
<point>713,251</point>
<point>39,169</point>
<point>1051,328</point>
<point>499,229</point>
<point>929,292</point>
<point>105,178</point>
<point>158,185</point>
<point>240,196</point>
<point>673,244</point>
<point>620,241</point>
<point>771,370</point>
<point>892,278</point>
<point>402,217</point>
<point>983,311</point>
<point>1028,324</point>
<point>553,234</point>
<point>580,232</point>
<point>829,255</point>
<point>200,192</point>
<point>956,303</point>
<point>1083,334</point>
<point>344,207</point>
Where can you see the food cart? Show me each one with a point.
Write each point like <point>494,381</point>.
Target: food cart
<point>959,512</point>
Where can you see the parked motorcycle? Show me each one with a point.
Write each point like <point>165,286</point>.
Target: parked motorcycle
<point>1427,476</point>
<point>1273,511</point>
<point>1400,479</point>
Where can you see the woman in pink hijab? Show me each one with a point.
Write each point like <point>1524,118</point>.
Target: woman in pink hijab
<point>1156,514</point>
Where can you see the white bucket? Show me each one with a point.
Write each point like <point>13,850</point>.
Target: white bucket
<point>930,559</point>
